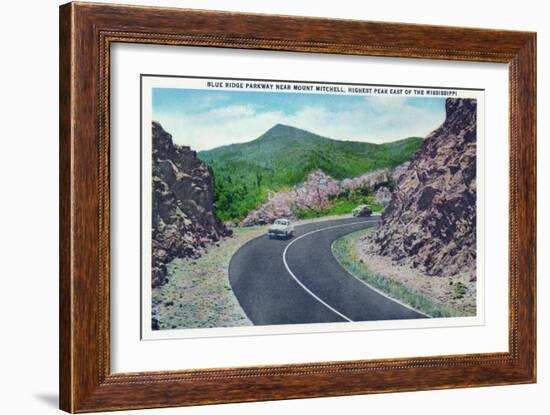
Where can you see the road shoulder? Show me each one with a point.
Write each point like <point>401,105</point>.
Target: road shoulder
<point>434,296</point>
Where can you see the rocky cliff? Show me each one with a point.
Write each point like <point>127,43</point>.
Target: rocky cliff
<point>184,223</point>
<point>430,222</point>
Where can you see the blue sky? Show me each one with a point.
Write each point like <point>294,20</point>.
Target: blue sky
<point>204,119</point>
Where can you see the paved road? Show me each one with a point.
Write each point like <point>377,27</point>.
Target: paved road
<point>299,281</point>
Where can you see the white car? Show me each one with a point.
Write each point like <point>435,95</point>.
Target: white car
<point>281,228</point>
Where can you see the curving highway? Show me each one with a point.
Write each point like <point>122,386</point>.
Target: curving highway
<point>299,281</point>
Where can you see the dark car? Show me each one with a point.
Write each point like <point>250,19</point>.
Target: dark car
<point>361,211</point>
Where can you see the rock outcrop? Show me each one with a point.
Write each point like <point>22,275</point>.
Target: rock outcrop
<point>382,196</point>
<point>400,170</point>
<point>371,180</point>
<point>183,222</point>
<point>430,222</point>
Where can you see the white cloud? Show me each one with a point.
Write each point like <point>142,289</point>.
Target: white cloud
<point>380,120</point>
<point>383,103</point>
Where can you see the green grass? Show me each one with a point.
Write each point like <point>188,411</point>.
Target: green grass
<point>341,205</point>
<point>343,250</point>
<point>459,290</point>
<point>282,158</point>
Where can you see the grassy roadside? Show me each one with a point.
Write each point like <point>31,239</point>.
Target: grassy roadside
<point>344,250</point>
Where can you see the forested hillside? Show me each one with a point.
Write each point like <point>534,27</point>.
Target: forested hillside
<point>283,156</point>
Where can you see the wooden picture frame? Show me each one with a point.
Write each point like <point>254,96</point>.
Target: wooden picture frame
<point>86,33</point>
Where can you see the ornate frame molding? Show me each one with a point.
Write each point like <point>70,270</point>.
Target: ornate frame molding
<point>86,33</point>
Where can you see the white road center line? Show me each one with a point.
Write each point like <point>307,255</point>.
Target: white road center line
<point>300,283</point>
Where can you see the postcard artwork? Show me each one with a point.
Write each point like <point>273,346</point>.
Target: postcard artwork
<point>283,206</point>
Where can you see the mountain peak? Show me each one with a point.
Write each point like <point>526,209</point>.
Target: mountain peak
<point>282,130</point>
